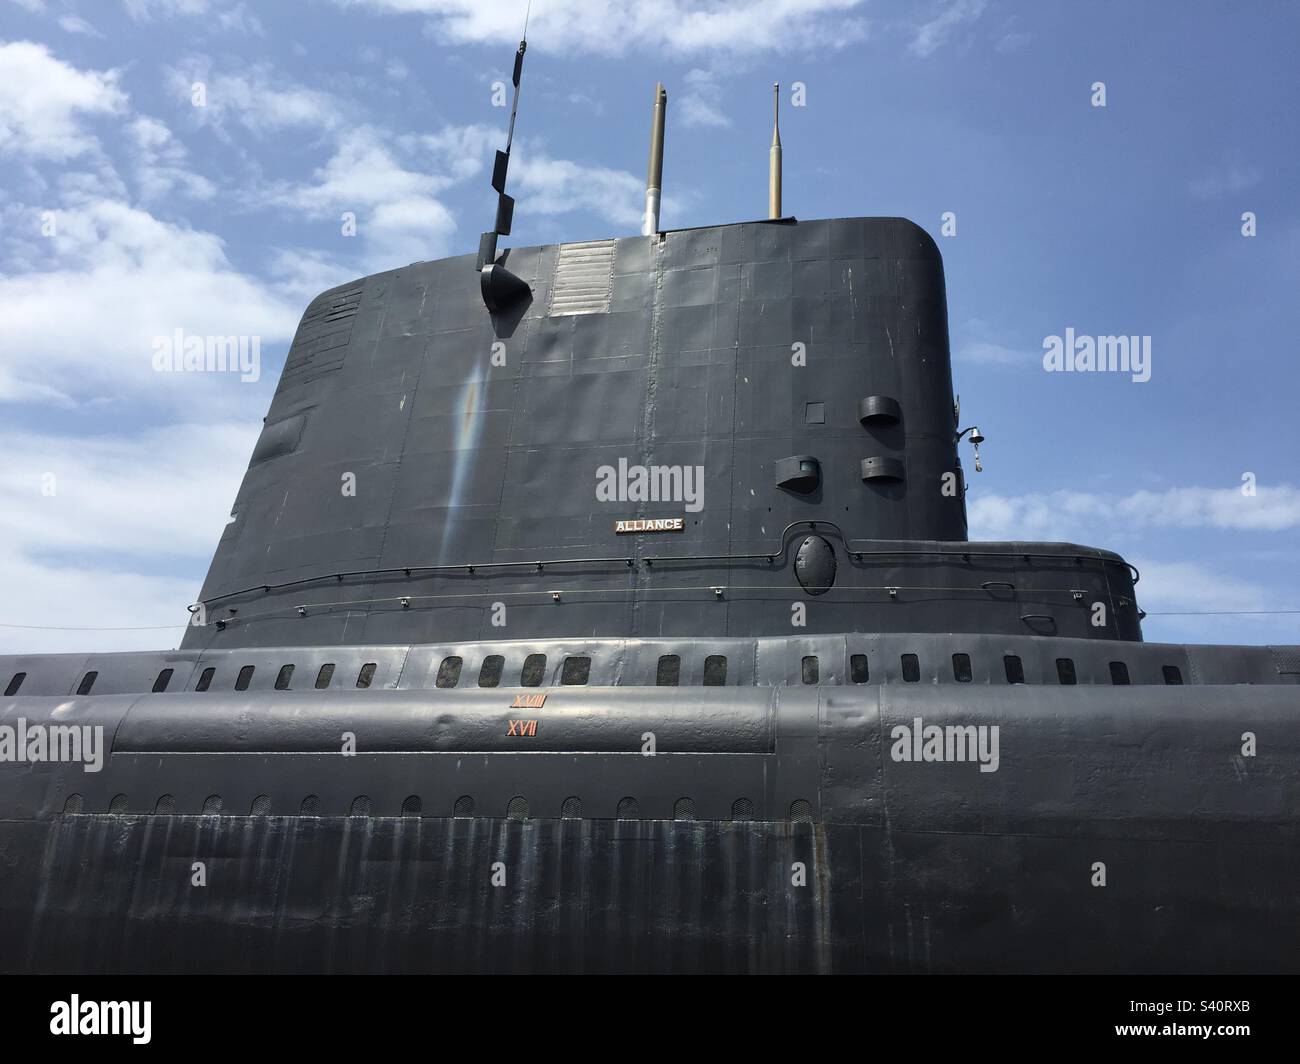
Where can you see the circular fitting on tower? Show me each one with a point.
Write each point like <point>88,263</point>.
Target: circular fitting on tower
<point>814,565</point>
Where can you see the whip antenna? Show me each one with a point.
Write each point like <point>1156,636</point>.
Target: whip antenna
<point>499,286</point>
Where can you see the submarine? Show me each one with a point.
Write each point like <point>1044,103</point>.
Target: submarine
<point>609,607</point>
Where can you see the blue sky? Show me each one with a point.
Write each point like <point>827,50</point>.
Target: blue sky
<point>126,212</point>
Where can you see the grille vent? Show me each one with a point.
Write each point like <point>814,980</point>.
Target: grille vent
<point>584,278</point>
<point>1287,659</point>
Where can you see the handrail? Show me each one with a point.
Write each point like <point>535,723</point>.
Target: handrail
<point>770,557</point>
<point>465,567</point>
<point>857,554</point>
<point>432,600</point>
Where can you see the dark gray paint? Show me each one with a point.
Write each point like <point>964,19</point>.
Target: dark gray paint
<point>617,861</point>
<point>911,867</point>
<point>684,360</point>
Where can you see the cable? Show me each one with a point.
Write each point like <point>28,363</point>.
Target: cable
<point>1225,613</point>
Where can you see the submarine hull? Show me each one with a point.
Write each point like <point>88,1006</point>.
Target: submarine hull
<point>397,895</point>
<point>610,607</point>
<point>1122,831</point>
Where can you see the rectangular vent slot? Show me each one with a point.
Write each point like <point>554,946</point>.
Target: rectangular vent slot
<point>584,278</point>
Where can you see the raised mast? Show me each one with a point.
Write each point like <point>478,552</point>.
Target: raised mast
<point>654,178</point>
<point>774,157</point>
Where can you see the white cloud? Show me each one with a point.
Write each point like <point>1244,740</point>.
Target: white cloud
<point>137,502</point>
<point>99,182</point>
<point>256,98</point>
<point>394,184</point>
<point>301,274</point>
<point>407,230</point>
<point>701,105</point>
<point>1188,602</point>
<point>37,616</point>
<point>75,24</point>
<point>1012,41</point>
<point>616,27</point>
<point>163,493</point>
<point>1172,587</point>
<point>558,186</point>
<point>43,102</point>
<point>1223,181</point>
<point>582,99</point>
<point>145,10</point>
<point>399,217</point>
<point>1191,603</point>
<point>115,277</point>
<point>933,34</point>
<point>1077,516</point>
<point>362,172</point>
<point>459,152</point>
<point>699,112</point>
<point>977,343</point>
<point>990,353</point>
<point>237,18</point>
<point>160,163</point>
<point>16,390</point>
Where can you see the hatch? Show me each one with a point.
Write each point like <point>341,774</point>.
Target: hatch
<point>814,565</point>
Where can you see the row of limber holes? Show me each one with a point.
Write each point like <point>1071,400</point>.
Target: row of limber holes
<point>577,670</point>
<point>1015,670</point>
<point>801,811</point>
<point>242,681</point>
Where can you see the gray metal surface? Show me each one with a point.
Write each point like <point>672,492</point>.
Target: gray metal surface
<point>667,773</point>
<point>635,663</point>
<point>716,345</point>
<point>376,862</point>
